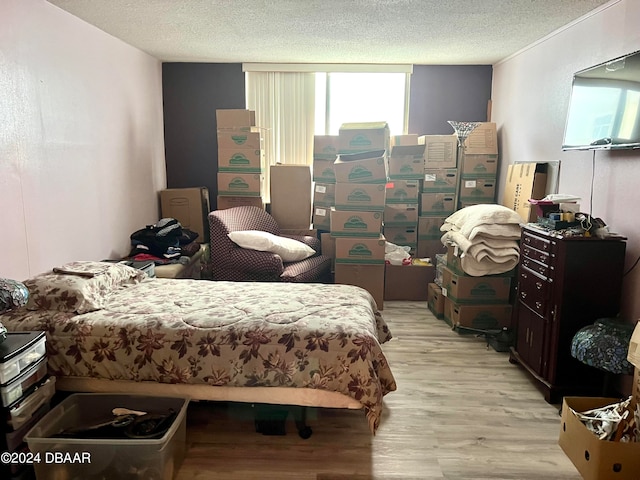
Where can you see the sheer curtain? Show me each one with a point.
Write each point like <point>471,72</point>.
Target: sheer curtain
<point>284,103</point>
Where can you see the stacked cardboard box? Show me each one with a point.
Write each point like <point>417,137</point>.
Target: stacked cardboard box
<point>401,209</point>
<point>325,153</point>
<point>477,303</point>
<point>241,160</point>
<point>438,192</point>
<point>290,187</point>
<point>479,166</point>
<point>361,173</point>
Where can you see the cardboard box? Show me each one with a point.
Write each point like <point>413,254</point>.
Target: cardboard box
<point>363,137</point>
<point>595,459</point>
<point>481,317</point>
<point>369,277</point>
<point>437,204</point>
<point>410,139</point>
<point>190,206</point>
<point>477,190</point>
<point>435,300</point>
<point>635,388</point>
<point>249,139</point>
<point>234,118</point>
<point>224,202</point>
<point>403,191</point>
<point>238,184</point>
<point>463,289</point>
<point>429,248</point>
<point>525,181</point>
<point>441,151</point>
<point>323,171</point>
<point>406,162</point>
<point>440,180</point>
<point>328,247</point>
<point>400,215</point>
<point>247,160</point>
<point>407,282</point>
<point>479,165</point>
<point>325,146</point>
<point>482,140</point>
<point>355,224</point>
<point>291,195</point>
<point>360,197</point>
<point>321,218</point>
<point>324,194</point>
<point>367,251</point>
<point>402,236</point>
<point>368,167</point>
<point>429,228</point>
<point>633,354</point>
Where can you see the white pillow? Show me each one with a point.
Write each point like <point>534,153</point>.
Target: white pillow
<point>289,249</point>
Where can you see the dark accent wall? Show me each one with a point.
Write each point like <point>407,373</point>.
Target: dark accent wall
<point>447,92</point>
<point>191,94</point>
<point>193,91</point>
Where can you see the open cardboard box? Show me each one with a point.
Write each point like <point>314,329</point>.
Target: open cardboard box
<point>596,459</point>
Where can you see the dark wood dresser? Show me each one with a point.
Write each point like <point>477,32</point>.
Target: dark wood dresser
<point>564,284</point>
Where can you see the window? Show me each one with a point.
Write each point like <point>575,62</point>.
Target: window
<point>353,97</point>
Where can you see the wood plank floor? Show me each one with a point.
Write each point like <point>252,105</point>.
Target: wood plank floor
<point>461,412</point>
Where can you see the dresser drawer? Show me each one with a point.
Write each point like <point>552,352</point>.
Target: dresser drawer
<point>535,254</point>
<point>533,291</point>
<point>539,268</point>
<point>538,243</point>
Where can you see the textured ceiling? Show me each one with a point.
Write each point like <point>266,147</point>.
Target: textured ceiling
<point>445,32</point>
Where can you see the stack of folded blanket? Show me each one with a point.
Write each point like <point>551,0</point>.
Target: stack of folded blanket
<point>487,236</point>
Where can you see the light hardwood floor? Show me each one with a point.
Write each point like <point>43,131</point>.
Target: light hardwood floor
<point>461,412</point>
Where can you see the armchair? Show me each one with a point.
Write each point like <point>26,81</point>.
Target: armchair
<point>233,263</point>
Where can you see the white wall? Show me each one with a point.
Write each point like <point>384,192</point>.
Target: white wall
<point>530,99</point>
<point>81,140</point>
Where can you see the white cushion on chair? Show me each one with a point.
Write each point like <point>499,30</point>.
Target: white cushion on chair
<point>289,249</point>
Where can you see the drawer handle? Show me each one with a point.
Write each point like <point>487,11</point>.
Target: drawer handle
<point>538,305</point>
<point>524,275</point>
<point>527,239</point>
<point>543,258</point>
<point>523,294</point>
<point>539,285</point>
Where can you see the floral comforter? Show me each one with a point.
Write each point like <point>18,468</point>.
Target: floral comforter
<point>225,333</point>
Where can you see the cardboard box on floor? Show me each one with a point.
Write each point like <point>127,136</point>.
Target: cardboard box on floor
<point>435,300</point>
<point>291,195</point>
<point>596,459</point>
<point>407,282</point>
<point>190,206</point>
<point>369,277</point>
<point>475,290</point>
<point>525,181</point>
<point>634,347</point>
<point>481,317</point>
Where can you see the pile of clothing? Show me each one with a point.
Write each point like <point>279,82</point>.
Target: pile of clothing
<point>487,236</point>
<point>165,242</point>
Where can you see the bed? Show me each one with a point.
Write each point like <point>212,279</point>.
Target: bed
<point>110,328</point>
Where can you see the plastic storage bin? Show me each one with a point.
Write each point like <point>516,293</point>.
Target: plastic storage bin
<point>18,386</point>
<point>105,457</point>
<point>24,349</point>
